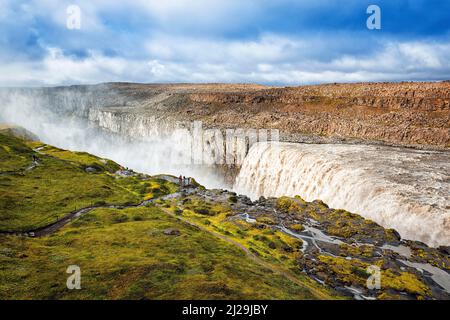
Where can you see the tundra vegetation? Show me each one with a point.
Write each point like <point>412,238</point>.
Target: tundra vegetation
<point>147,238</point>
<point>123,254</point>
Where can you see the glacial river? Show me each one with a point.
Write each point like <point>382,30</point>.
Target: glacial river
<point>404,189</point>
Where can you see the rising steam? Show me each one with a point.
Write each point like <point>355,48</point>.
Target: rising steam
<point>60,118</point>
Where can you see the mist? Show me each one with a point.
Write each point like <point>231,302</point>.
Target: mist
<point>404,189</point>
<point>59,117</point>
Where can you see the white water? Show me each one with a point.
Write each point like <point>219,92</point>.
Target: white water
<point>134,141</point>
<point>404,189</point>
<point>399,188</point>
<point>439,276</point>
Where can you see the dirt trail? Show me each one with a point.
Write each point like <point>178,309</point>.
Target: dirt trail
<point>33,164</point>
<point>53,227</point>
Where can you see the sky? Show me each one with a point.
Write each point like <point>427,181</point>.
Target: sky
<point>276,42</point>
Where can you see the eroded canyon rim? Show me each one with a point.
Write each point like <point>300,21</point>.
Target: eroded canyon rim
<point>131,123</point>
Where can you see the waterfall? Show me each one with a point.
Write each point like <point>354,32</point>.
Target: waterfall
<point>404,189</point>
<point>80,121</point>
<point>396,187</point>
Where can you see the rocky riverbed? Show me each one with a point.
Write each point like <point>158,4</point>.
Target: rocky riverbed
<point>337,248</point>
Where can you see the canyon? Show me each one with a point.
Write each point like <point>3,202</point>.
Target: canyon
<point>377,149</point>
<point>137,236</point>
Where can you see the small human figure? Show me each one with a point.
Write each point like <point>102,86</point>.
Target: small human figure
<point>180,180</point>
<point>184,180</point>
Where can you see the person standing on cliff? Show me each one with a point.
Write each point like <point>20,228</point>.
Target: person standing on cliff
<point>180,180</point>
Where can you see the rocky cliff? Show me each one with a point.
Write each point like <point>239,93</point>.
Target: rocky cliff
<point>137,236</point>
<point>393,113</point>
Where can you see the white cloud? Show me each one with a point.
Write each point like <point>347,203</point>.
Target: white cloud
<point>268,48</point>
<point>393,62</point>
<point>57,68</point>
<point>270,58</point>
<point>408,57</point>
<point>421,55</point>
<point>168,47</point>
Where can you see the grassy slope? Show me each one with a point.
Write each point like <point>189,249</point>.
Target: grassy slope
<point>59,184</point>
<point>122,253</point>
<point>125,255</point>
<point>283,251</point>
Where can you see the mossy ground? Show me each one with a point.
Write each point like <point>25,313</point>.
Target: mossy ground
<point>124,254</point>
<point>59,184</point>
<point>353,273</point>
<point>349,268</point>
<point>271,245</point>
<point>340,223</point>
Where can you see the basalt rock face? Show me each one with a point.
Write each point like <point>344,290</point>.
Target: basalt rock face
<point>394,113</point>
<point>404,113</point>
<point>419,96</point>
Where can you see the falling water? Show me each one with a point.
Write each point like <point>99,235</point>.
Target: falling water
<point>404,189</point>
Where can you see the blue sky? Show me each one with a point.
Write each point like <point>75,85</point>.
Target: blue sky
<point>281,42</point>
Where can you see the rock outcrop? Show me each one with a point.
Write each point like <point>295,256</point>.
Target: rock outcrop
<point>393,113</point>
<point>409,114</point>
<point>18,132</point>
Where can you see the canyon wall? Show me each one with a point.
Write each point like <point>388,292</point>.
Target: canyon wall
<point>407,114</point>
<point>185,143</point>
<point>155,128</point>
<point>394,113</point>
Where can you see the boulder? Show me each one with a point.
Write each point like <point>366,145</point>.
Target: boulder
<point>172,232</point>
<point>445,250</point>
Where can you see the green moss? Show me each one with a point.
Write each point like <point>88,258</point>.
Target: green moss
<point>340,223</point>
<point>133,259</point>
<point>296,227</point>
<point>405,281</point>
<point>353,272</point>
<point>293,205</point>
<point>83,159</point>
<point>356,251</point>
<point>343,231</point>
<point>266,220</point>
<point>59,185</point>
<point>206,208</point>
<point>15,156</point>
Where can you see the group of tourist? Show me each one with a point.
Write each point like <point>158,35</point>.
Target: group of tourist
<point>183,181</point>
